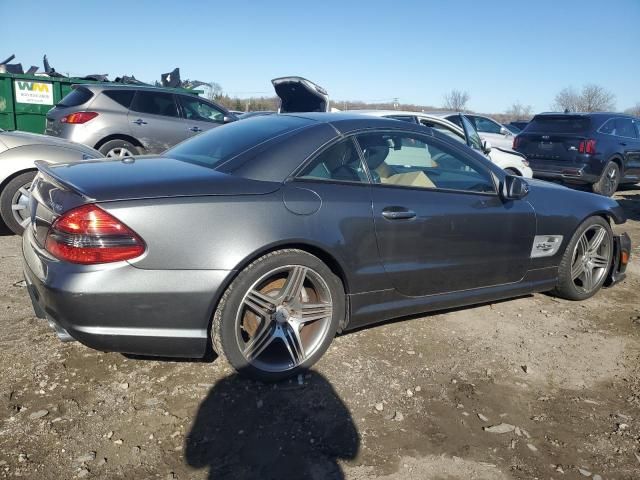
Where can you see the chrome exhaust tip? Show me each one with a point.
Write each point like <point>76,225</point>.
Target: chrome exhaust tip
<point>63,335</point>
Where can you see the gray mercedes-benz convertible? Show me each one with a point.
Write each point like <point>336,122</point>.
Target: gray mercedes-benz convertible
<point>270,235</point>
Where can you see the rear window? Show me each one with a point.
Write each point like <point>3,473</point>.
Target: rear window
<point>123,97</point>
<point>559,124</point>
<point>76,97</point>
<point>216,146</point>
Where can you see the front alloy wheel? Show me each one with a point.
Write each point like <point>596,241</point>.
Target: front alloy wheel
<point>586,261</point>
<point>591,259</point>
<point>279,315</point>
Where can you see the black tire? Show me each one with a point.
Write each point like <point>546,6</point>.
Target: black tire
<point>567,287</point>
<point>9,196</point>
<point>609,180</point>
<point>225,324</point>
<point>112,148</point>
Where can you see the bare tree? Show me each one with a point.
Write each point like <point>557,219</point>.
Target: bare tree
<point>635,110</point>
<point>214,91</point>
<point>517,111</point>
<point>456,100</point>
<point>596,99</point>
<point>593,98</point>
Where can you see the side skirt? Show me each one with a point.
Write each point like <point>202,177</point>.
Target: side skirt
<point>374,307</point>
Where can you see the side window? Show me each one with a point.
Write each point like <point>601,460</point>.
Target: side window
<point>455,119</point>
<point>123,97</point>
<point>609,127</point>
<point>624,128</point>
<point>408,160</point>
<point>338,162</point>
<point>443,129</point>
<point>485,125</point>
<point>195,109</point>
<point>474,138</point>
<point>155,103</point>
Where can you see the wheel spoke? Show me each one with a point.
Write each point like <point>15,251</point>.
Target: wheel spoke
<point>584,244</point>
<point>18,206</point>
<point>261,340</point>
<point>587,283</point>
<point>314,311</point>
<point>577,269</point>
<point>291,339</point>
<point>260,303</point>
<point>24,191</point>
<point>600,261</point>
<point>293,286</point>
<point>596,241</point>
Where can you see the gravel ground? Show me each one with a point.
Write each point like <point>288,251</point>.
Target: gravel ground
<point>534,387</point>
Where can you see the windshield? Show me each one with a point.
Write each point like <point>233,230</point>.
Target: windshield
<point>216,146</point>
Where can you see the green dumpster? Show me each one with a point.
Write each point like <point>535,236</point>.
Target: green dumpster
<point>26,99</point>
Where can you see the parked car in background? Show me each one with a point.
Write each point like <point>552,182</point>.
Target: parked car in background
<point>513,129</point>
<point>597,149</point>
<point>519,124</point>
<point>266,237</point>
<point>257,113</point>
<point>125,120</point>
<point>510,161</point>
<point>18,151</point>
<point>489,129</point>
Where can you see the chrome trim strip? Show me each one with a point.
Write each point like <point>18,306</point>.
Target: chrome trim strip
<point>144,332</point>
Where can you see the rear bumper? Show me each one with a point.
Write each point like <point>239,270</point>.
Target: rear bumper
<point>120,308</point>
<point>621,257</point>
<point>564,173</point>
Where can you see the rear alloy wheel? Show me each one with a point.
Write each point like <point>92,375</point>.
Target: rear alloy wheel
<point>609,180</point>
<point>279,315</point>
<point>14,202</point>
<point>119,149</point>
<point>586,261</point>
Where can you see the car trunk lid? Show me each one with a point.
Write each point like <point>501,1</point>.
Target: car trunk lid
<point>298,94</point>
<point>149,177</point>
<point>60,187</point>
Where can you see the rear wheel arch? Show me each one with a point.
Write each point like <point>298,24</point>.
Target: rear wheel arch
<point>619,161</point>
<point>14,175</point>
<point>328,259</point>
<point>119,136</point>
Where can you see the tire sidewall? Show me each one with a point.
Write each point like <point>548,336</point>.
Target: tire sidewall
<point>602,183</point>
<point>226,312</point>
<point>111,144</point>
<point>566,287</point>
<point>6,197</point>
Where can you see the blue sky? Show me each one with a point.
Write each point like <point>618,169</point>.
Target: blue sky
<point>501,52</point>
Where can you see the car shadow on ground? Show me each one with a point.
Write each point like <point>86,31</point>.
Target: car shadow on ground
<point>294,429</point>
<point>4,230</point>
<point>631,205</point>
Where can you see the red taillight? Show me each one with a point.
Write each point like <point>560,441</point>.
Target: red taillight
<point>78,117</point>
<point>516,142</point>
<point>587,146</point>
<point>89,235</point>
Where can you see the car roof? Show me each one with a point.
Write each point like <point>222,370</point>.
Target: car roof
<point>586,114</point>
<point>345,122</point>
<point>125,86</point>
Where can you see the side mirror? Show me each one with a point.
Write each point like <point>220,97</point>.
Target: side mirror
<point>513,188</point>
<point>505,131</point>
<point>486,146</point>
<point>227,119</point>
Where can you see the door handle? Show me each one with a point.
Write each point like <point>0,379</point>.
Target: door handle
<point>398,213</point>
<point>195,129</point>
<point>624,144</point>
<point>139,122</point>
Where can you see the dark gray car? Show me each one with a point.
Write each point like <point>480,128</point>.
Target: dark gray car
<point>269,235</point>
<point>125,120</point>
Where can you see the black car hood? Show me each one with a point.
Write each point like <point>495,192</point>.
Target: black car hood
<point>149,177</point>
